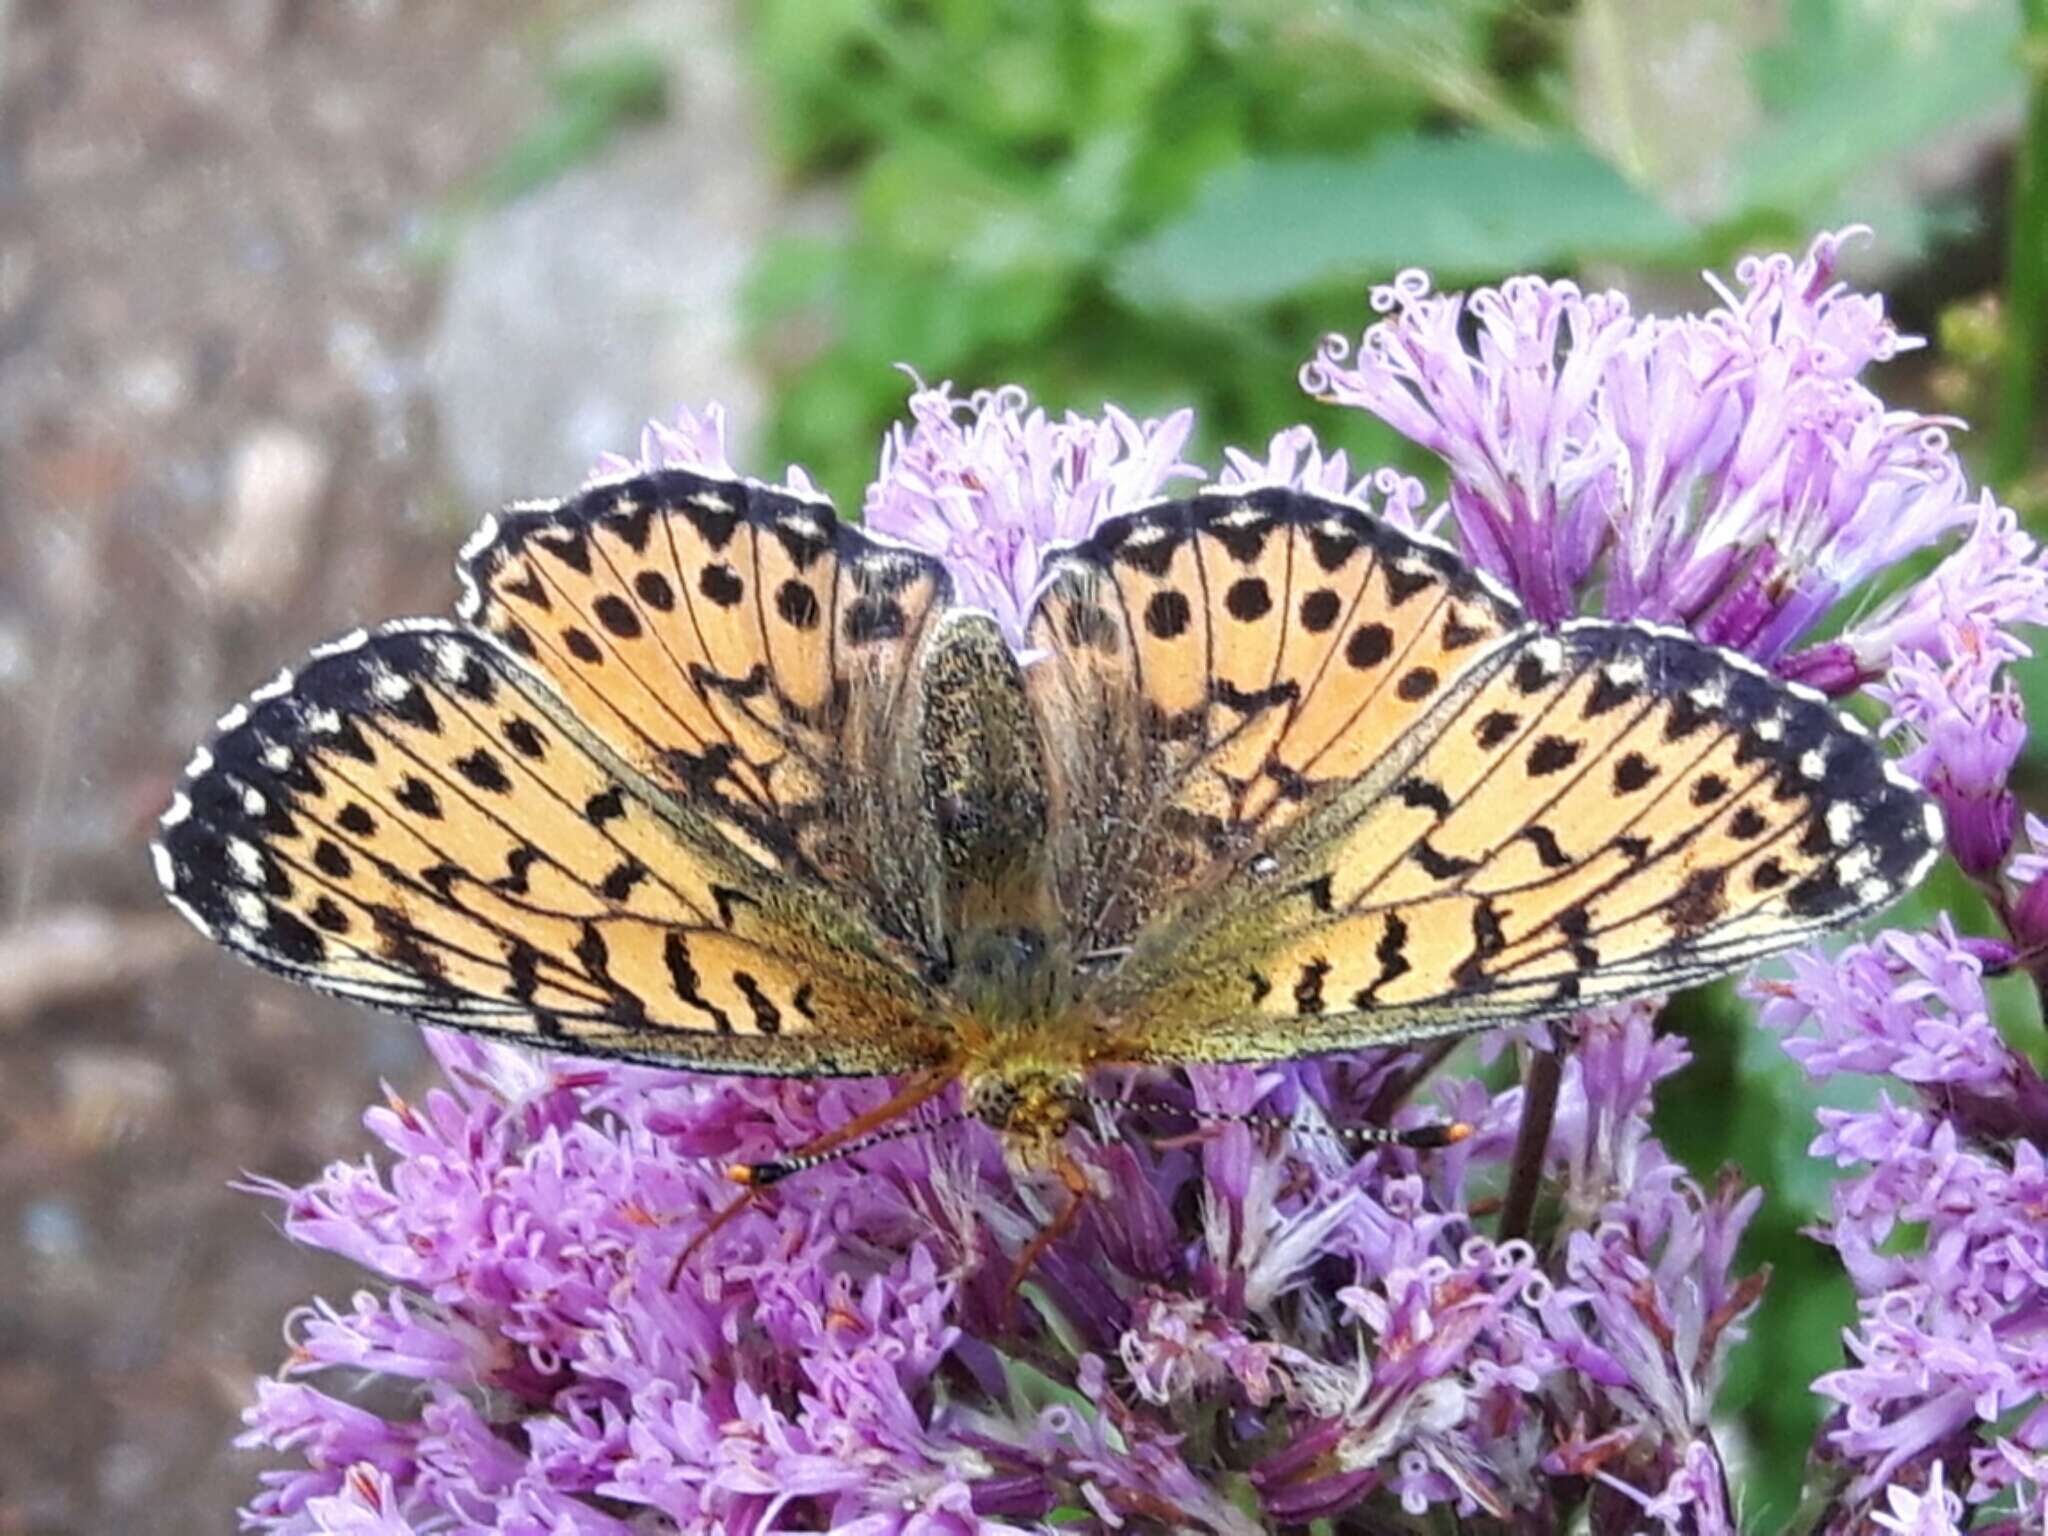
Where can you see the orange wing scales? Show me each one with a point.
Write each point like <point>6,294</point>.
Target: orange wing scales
<point>1213,665</point>
<point>416,822</point>
<point>1610,811</point>
<point>738,646</point>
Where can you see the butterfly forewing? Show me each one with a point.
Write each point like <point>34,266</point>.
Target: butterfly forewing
<point>738,646</point>
<point>420,821</point>
<point>1602,813</point>
<point>1217,665</point>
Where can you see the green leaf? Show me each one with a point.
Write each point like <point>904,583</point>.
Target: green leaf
<point>924,202</point>
<point>1861,81</point>
<point>1032,1391</point>
<point>1470,207</point>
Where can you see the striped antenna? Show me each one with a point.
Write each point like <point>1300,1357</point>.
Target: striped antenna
<point>761,1175</point>
<point>1418,1138</point>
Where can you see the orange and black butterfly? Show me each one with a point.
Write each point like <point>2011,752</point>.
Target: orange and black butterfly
<point>708,778</point>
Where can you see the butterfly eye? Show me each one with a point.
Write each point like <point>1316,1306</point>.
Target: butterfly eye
<point>992,1100</point>
<point>938,969</point>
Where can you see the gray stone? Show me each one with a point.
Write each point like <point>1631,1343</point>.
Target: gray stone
<point>611,295</point>
<point>277,479</point>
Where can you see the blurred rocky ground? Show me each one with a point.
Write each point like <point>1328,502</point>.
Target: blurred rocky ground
<point>277,323</point>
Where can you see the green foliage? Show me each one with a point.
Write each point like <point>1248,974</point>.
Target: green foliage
<point>1474,206</point>
<point>1165,201</point>
<point>1006,161</point>
<point>1849,86</point>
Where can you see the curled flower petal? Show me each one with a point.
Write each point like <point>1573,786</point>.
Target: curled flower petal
<point>1726,471</point>
<point>991,483</point>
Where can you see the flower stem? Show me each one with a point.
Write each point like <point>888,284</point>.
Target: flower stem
<point>2026,276</point>
<point>1539,1108</point>
<point>1394,1092</point>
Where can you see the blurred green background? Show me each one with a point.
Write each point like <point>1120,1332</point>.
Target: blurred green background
<point>290,292</point>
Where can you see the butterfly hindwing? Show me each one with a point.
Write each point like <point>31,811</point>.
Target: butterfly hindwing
<point>1605,812</point>
<point>740,647</point>
<point>418,821</point>
<point>1214,666</point>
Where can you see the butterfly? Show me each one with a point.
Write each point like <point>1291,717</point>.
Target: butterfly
<point>705,777</point>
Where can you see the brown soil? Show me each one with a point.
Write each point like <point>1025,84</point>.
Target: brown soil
<point>208,297</point>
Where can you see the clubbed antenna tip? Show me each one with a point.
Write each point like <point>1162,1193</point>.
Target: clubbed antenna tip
<point>1426,1138</point>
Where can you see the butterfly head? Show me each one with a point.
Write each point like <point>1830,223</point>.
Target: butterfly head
<point>1031,1103</point>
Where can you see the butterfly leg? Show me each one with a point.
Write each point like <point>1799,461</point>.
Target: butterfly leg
<point>1075,1177</point>
<point>755,1177</point>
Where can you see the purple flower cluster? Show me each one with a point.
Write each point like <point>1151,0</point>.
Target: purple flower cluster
<point>1249,1330</point>
<point>1941,1219</point>
<point>1319,1334</point>
<point>1728,472</point>
<point>992,483</point>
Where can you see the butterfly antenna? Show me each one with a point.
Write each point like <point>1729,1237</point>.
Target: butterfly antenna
<point>757,1176</point>
<point>1420,1138</point>
<point>884,1122</point>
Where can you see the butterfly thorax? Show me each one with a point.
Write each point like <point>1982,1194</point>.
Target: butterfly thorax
<point>1010,975</point>
<point>1025,1042</point>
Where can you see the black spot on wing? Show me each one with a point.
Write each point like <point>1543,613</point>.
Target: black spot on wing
<point>419,797</point>
<point>1424,794</point>
<point>525,737</point>
<point>1248,600</point>
<point>767,1016</point>
<point>1438,865</point>
<point>721,584</point>
<point>1391,952</point>
<point>1308,986</point>
<point>797,605</point>
<point>617,616</point>
<point>869,619</point>
<point>1553,754</point>
<point>1319,610</point>
<point>1634,772</point>
<point>1405,580</point>
<point>1369,645</point>
<point>1700,902</point>
<point>1167,615</point>
<point>1549,852</point>
<point>655,590</point>
<point>1417,683</point>
<point>1495,727</point>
